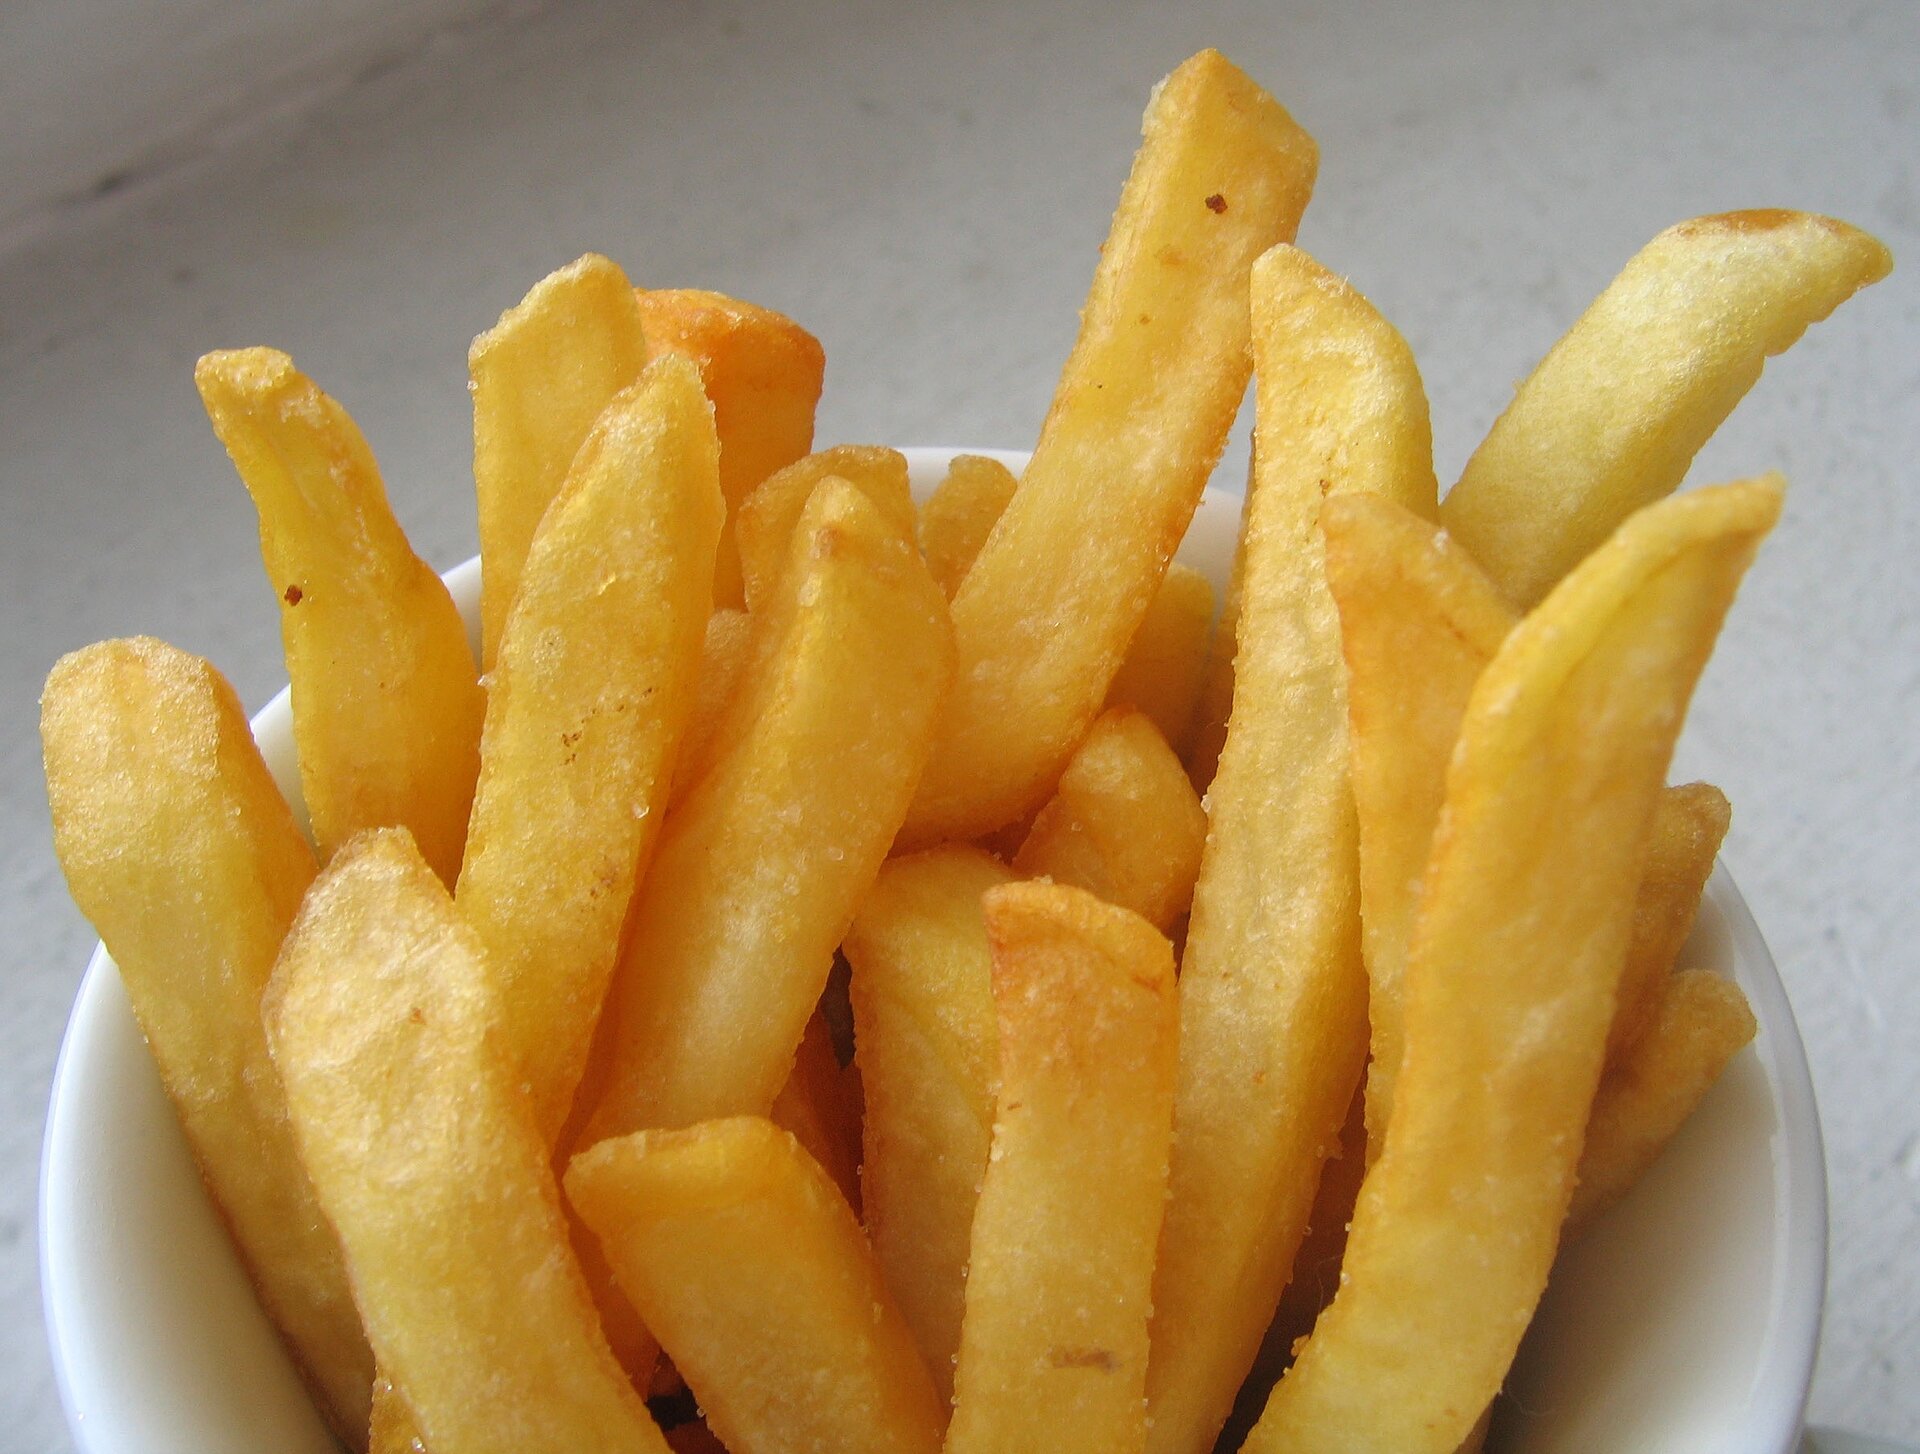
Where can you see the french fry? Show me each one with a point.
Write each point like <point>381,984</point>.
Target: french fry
<point>1522,930</point>
<point>1687,833</point>
<point>1615,413</point>
<point>765,520</point>
<point>1124,824</point>
<point>1419,623</point>
<point>808,1107</point>
<point>723,662</point>
<point>928,1053</point>
<point>1316,1275</point>
<point>181,851</point>
<point>592,686</point>
<point>1164,671</point>
<point>1272,993</point>
<point>764,374</point>
<point>426,1158</point>
<point>758,872</point>
<point>1138,421</point>
<point>540,377</point>
<point>386,703</point>
<point>960,514</point>
<point>749,1265</point>
<point>1698,1023</point>
<point>1053,1347</point>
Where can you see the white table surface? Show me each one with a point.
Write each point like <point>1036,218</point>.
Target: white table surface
<point>925,186</point>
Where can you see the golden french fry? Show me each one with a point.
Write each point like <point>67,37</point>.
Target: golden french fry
<point>758,872</point>
<point>1164,668</point>
<point>1698,1023</point>
<point>960,514</point>
<point>1419,621</point>
<point>426,1158</point>
<point>1053,1348</point>
<point>764,521</point>
<point>928,1053</point>
<point>1164,672</point>
<point>179,848</point>
<point>1687,833</point>
<point>592,686</point>
<point>1316,1275</point>
<point>540,377</point>
<point>749,1265</point>
<point>1140,416</point>
<point>1615,413</point>
<point>723,662</point>
<point>809,1108</point>
<point>386,703</point>
<point>1272,993</point>
<point>1124,823</point>
<point>1522,929</point>
<point>763,372</point>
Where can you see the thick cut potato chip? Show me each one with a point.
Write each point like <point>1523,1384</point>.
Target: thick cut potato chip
<point>758,872</point>
<point>1517,951</point>
<point>1419,622</point>
<point>812,1107</point>
<point>1138,421</point>
<point>1698,1023</point>
<point>540,377</point>
<point>960,514</point>
<point>763,373</point>
<point>1615,413</point>
<point>749,1265</point>
<point>386,704</point>
<point>181,851</point>
<point>929,1060</point>
<point>1687,834</point>
<point>426,1158</point>
<point>1272,993</point>
<point>586,702</point>
<point>767,517</point>
<point>1165,668</point>
<point>1053,1348</point>
<point>1124,823</point>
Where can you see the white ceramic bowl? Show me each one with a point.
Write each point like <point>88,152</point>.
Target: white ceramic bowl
<point>1683,1323</point>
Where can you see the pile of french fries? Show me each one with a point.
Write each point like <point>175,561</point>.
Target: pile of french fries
<point>846,975</point>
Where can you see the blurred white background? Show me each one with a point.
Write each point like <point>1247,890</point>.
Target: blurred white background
<point>368,184</point>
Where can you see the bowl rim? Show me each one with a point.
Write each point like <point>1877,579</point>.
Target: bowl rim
<point>1784,1371</point>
